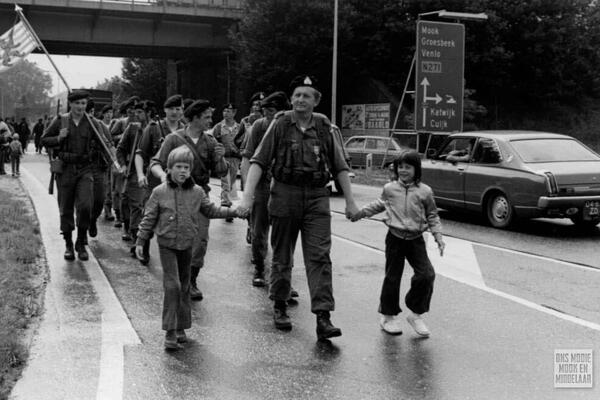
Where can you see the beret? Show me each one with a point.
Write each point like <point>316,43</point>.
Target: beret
<point>303,81</point>
<point>276,100</point>
<point>258,96</point>
<point>78,95</point>
<point>90,105</point>
<point>196,108</point>
<point>174,101</point>
<point>106,108</point>
<point>187,102</point>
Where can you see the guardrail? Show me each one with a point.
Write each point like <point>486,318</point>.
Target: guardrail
<point>234,4</point>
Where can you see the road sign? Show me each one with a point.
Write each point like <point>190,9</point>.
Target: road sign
<point>439,76</point>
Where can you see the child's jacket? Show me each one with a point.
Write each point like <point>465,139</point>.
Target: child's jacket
<point>15,148</point>
<point>173,213</point>
<point>410,209</point>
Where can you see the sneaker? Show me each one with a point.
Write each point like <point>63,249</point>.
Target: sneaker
<point>390,324</point>
<point>195,293</point>
<point>418,324</point>
<point>281,319</point>
<point>259,279</point>
<point>325,328</point>
<point>171,341</point>
<point>181,336</point>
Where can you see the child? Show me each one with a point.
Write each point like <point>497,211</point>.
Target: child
<point>173,213</point>
<point>410,211</point>
<point>16,150</point>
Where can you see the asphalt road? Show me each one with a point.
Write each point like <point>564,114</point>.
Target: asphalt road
<point>503,302</point>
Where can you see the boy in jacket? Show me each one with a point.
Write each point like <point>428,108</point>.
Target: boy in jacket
<point>173,212</point>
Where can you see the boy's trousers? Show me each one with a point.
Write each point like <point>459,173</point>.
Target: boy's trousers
<point>177,308</point>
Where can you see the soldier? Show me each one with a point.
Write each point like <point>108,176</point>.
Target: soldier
<point>149,144</point>
<point>75,143</point>
<point>225,132</point>
<point>208,158</point>
<point>132,194</point>
<point>106,115</point>
<point>303,151</point>
<point>38,131</point>
<point>259,215</point>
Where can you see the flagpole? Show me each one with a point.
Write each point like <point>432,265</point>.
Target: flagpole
<point>19,11</point>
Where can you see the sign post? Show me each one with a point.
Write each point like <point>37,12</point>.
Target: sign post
<point>439,77</point>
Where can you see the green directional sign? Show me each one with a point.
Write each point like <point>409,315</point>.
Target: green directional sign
<point>439,77</point>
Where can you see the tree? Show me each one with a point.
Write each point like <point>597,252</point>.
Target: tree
<point>119,88</point>
<point>146,78</point>
<point>24,86</point>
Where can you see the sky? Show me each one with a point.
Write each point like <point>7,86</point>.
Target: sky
<point>79,71</point>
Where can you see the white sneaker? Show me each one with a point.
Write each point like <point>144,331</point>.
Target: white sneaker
<point>390,324</point>
<point>418,324</point>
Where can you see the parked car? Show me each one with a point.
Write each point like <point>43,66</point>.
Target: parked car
<point>358,147</point>
<point>516,174</point>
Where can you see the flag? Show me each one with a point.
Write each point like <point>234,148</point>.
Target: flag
<point>15,44</point>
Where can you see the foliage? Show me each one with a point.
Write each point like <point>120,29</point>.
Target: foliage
<point>119,88</point>
<point>146,78</point>
<point>25,86</point>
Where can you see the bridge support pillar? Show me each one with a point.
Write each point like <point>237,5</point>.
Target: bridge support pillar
<point>172,78</point>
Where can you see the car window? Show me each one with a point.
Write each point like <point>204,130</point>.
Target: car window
<point>356,143</point>
<point>371,144</point>
<point>406,141</point>
<point>382,144</point>
<point>552,150</point>
<point>487,151</point>
<point>458,147</point>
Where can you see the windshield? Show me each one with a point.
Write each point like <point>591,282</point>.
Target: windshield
<point>552,150</point>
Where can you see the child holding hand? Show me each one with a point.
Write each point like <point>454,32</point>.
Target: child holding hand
<point>411,210</point>
<point>173,213</point>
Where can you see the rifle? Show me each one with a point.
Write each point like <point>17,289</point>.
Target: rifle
<point>131,157</point>
<point>50,156</point>
<point>108,147</point>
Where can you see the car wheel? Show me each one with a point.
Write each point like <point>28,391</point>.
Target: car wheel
<point>338,187</point>
<point>500,213</point>
<point>580,223</point>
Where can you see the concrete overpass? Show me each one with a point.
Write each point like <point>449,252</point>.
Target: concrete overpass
<point>128,28</point>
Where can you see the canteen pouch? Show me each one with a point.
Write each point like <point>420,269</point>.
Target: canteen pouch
<point>56,166</point>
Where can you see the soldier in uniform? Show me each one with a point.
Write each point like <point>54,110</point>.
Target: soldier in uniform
<point>225,132</point>
<point>259,215</point>
<point>208,159</point>
<point>149,144</point>
<point>106,115</point>
<point>73,139</point>
<point>132,194</point>
<point>303,152</point>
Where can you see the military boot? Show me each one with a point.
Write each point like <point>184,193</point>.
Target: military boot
<point>146,253</point>
<point>259,274</point>
<point>195,293</point>
<point>93,231</point>
<point>108,216</point>
<point>82,253</point>
<point>69,252</point>
<point>280,318</point>
<point>118,222</point>
<point>325,328</point>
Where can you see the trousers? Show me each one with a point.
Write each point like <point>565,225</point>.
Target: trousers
<point>75,185</point>
<point>177,307</point>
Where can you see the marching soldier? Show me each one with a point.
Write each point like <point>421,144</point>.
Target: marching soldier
<point>107,120</point>
<point>259,215</point>
<point>208,159</point>
<point>149,144</point>
<point>73,139</point>
<point>303,151</point>
<point>132,194</point>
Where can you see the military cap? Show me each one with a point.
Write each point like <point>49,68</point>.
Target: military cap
<point>174,101</point>
<point>196,108</point>
<point>106,109</point>
<point>230,106</point>
<point>258,96</point>
<point>187,102</point>
<point>78,95</point>
<point>277,100</point>
<point>133,99</point>
<point>303,81</point>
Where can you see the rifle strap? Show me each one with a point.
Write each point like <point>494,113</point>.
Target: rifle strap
<point>188,141</point>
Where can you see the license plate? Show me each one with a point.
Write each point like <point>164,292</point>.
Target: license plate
<point>591,210</point>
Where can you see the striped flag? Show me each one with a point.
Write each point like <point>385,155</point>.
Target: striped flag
<point>15,44</point>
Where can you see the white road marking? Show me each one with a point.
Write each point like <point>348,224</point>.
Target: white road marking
<point>470,275</point>
<point>116,327</point>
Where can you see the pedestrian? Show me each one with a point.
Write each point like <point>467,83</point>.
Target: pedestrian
<point>70,136</point>
<point>23,130</point>
<point>259,215</point>
<point>38,131</point>
<point>225,132</point>
<point>16,152</point>
<point>410,210</point>
<point>149,144</point>
<point>176,211</point>
<point>132,194</point>
<point>5,138</point>
<point>303,152</point>
<point>208,160</point>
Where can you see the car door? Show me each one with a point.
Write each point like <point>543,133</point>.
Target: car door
<point>447,179</point>
<point>355,147</point>
<point>483,172</point>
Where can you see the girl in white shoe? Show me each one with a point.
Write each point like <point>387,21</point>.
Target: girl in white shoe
<point>410,210</point>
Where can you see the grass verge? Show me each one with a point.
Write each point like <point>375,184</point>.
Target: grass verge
<point>23,276</point>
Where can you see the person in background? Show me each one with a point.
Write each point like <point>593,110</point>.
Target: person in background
<point>16,152</point>
<point>38,131</point>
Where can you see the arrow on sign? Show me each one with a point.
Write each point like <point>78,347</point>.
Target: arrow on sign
<point>437,97</point>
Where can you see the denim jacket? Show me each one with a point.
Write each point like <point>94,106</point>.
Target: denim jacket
<point>410,209</point>
<point>173,213</point>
